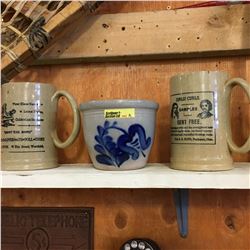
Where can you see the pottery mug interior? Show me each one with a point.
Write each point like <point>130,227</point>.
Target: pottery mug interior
<point>200,121</point>
<point>28,124</point>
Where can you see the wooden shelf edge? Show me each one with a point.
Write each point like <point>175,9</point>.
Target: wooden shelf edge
<point>152,176</point>
<point>75,59</point>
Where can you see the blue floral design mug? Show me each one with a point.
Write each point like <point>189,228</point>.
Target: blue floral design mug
<point>119,133</point>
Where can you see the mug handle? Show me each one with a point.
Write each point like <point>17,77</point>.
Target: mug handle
<point>228,87</point>
<point>76,119</point>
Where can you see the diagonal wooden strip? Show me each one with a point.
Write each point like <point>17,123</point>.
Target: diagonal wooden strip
<point>208,31</point>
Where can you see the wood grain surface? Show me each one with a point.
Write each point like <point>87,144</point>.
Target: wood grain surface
<point>181,33</point>
<point>218,219</point>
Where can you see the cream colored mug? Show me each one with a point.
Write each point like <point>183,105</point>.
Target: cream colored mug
<point>28,122</point>
<point>200,121</point>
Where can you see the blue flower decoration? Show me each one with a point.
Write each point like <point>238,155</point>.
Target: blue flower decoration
<point>128,146</point>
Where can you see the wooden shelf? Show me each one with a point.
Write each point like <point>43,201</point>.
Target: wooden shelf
<point>152,176</point>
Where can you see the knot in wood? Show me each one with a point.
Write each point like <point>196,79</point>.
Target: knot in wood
<point>216,21</point>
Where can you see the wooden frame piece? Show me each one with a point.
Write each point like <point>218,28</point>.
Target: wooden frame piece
<point>208,31</point>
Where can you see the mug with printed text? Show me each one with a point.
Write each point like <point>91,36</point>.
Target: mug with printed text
<point>28,122</point>
<point>201,137</point>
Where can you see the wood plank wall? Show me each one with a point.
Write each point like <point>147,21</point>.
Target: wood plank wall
<point>218,219</point>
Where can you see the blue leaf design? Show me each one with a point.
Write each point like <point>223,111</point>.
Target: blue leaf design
<point>106,124</point>
<point>113,150</point>
<point>122,144</point>
<point>129,144</point>
<point>100,149</point>
<point>148,142</point>
<point>119,159</point>
<point>135,142</point>
<point>104,159</point>
<point>107,139</point>
<point>140,131</point>
<point>98,139</point>
<point>110,146</point>
<point>100,130</point>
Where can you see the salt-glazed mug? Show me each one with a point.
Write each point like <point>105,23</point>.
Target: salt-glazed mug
<point>28,121</point>
<point>119,133</point>
<point>200,121</point>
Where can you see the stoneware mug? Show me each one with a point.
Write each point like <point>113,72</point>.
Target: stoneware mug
<point>119,133</point>
<point>200,121</point>
<point>28,121</point>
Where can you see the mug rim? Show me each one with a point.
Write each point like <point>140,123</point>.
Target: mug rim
<point>190,73</point>
<point>118,103</point>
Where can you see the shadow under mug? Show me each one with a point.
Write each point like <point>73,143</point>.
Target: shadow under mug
<point>28,123</point>
<point>201,137</point>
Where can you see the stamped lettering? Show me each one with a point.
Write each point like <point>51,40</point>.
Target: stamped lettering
<point>193,117</point>
<point>20,121</point>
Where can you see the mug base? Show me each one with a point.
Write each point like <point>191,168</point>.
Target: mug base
<point>113,168</point>
<point>206,167</point>
<point>10,166</point>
